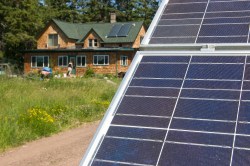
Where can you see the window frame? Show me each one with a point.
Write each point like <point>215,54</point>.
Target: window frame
<point>40,56</point>
<point>58,61</point>
<point>122,60</point>
<point>81,56</point>
<point>93,43</point>
<point>53,42</point>
<point>97,64</point>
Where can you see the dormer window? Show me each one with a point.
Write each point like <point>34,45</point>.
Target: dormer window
<point>93,43</point>
<point>53,40</point>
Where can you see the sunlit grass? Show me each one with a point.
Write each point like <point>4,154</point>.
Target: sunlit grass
<point>30,109</point>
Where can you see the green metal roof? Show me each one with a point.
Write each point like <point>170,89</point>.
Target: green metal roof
<point>121,49</point>
<point>80,31</point>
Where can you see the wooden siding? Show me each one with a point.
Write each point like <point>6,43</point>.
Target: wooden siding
<point>138,38</point>
<point>113,68</point>
<point>91,36</point>
<point>63,41</point>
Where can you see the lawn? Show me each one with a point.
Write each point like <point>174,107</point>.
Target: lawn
<point>31,109</point>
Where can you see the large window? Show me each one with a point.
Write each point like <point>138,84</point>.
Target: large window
<point>101,60</point>
<point>63,61</point>
<point>124,60</point>
<point>93,43</point>
<point>53,40</point>
<point>40,61</point>
<point>81,61</point>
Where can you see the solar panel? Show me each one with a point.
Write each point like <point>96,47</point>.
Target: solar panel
<point>124,30</point>
<point>202,21</point>
<point>114,31</point>
<point>178,109</point>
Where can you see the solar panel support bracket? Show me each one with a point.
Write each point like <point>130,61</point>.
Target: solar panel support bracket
<point>207,48</point>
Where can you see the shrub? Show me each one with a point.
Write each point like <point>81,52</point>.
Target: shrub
<point>89,72</point>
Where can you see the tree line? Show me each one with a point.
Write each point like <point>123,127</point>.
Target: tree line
<point>22,20</point>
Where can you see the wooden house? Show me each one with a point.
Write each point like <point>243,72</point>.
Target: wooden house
<point>107,48</point>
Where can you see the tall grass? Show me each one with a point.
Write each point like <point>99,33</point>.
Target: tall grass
<point>30,109</point>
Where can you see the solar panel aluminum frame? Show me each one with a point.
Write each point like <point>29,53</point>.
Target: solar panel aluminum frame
<point>106,121</point>
<point>185,46</point>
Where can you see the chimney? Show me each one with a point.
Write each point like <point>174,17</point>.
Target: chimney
<point>112,17</point>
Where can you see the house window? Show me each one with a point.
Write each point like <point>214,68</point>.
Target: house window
<point>81,61</point>
<point>101,60</point>
<point>93,43</point>
<point>63,61</point>
<point>40,61</point>
<point>53,40</point>
<point>124,60</point>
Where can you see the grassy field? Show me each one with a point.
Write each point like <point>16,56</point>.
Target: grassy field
<point>30,109</point>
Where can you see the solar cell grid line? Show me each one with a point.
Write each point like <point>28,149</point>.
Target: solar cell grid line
<point>237,117</point>
<point>158,160</point>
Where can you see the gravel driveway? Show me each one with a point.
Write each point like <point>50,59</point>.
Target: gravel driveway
<point>64,149</point>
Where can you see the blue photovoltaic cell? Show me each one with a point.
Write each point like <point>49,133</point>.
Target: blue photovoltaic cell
<point>201,125</point>
<point>165,92</point>
<point>173,40</point>
<point>207,109</point>
<point>224,30</point>
<point>215,71</point>
<point>218,59</point>
<point>213,94</point>
<point>147,106</point>
<point>227,14</point>
<point>212,84</point>
<point>158,70</point>
<point>153,134</point>
<point>156,83</point>
<point>246,85</point>
<point>228,6</point>
<point>221,0</point>
<point>245,95</point>
<point>176,31</point>
<point>182,15</point>
<point>140,121</point>
<point>172,59</point>
<point>247,72</point>
<point>200,138</point>
<point>226,20</point>
<point>244,114</point>
<point>242,141</point>
<point>180,21</point>
<point>243,128</point>
<point>241,157</point>
<point>226,39</point>
<point>177,154</point>
<point>131,151</point>
<point>248,59</point>
<point>185,8</point>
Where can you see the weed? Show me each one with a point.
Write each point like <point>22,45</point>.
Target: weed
<point>30,108</point>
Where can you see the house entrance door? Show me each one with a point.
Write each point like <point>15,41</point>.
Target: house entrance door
<point>73,60</point>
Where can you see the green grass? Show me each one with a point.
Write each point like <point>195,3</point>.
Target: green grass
<point>30,109</point>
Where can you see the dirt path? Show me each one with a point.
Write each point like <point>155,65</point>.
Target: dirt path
<point>63,149</point>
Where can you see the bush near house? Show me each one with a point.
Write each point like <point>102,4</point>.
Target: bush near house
<point>30,109</point>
